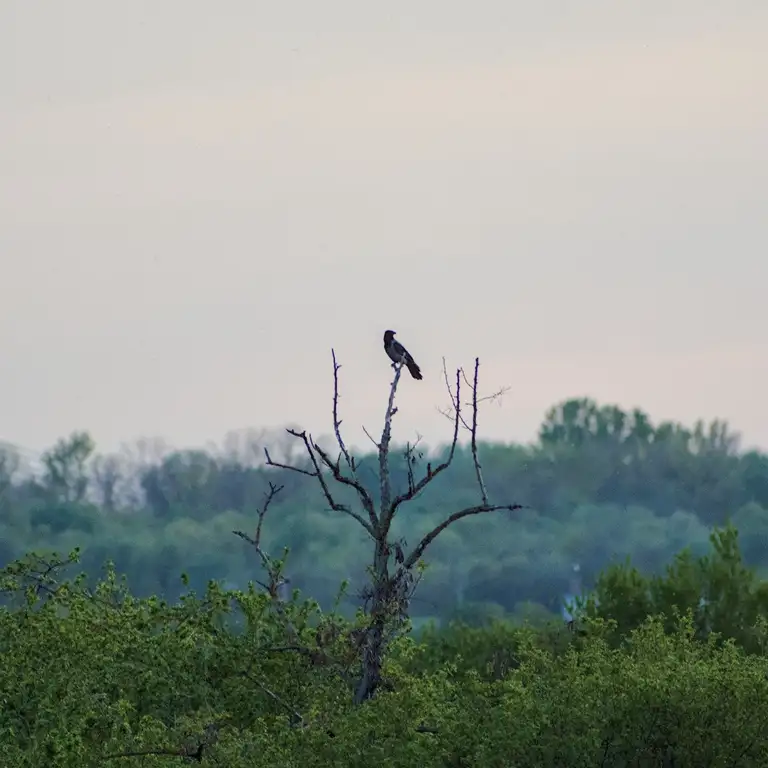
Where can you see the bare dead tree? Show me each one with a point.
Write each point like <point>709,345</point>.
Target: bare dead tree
<point>393,570</point>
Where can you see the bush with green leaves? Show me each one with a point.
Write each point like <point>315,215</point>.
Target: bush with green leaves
<point>98,677</point>
<point>718,590</point>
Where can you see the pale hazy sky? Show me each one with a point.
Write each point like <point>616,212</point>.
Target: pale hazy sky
<point>198,199</point>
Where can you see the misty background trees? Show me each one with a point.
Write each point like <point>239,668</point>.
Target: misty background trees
<point>601,484</point>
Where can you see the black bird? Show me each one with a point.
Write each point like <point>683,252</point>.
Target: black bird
<point>398,352</point>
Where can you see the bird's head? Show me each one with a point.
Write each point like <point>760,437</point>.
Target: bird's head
<point>389,335</point>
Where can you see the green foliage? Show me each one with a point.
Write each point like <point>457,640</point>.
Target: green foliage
<point>661,699</point>
<point>722,595</point>
<point>90,672</point>
<point>96,676</point>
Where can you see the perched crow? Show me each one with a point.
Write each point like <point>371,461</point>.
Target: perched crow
<point>398,352</point>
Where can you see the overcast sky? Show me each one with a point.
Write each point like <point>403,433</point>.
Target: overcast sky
<point>197,200</point>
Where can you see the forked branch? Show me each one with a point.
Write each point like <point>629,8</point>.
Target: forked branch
<point>337,421</point>
<point>272,567</point>
<point>313,452</point>
<point>431,474</point>
<point>475,459</point>
<point>471,426</point>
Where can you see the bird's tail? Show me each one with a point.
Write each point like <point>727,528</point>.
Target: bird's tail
<point>413,369</point>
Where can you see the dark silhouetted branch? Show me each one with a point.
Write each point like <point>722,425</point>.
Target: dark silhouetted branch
<point>336,420</point>
<point>339,477</point>
<point>475,460</point>
<point>481,509</point>
<point>411,457</point>
<point>433,473</point>
<point>255,542</point>
<point>386,510</point>
<point>312,450</point>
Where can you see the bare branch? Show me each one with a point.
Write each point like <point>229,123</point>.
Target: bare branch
<point>264,558</point>
<point>387,510</point>
<point>472,427</point>
<point>336,421</point>
<point>475,460</point>
<point>409,454</point>
<point>290,467</point>
<point>413,558</point>
<point>449,412</point>
<point>455,401</point>
<point>273,491</point>
<point>497,395</point>
<point>312,449</point>
<point>365,497</point>
<point>255,542</point>
<point>370,437</point>
<point>432,473</point>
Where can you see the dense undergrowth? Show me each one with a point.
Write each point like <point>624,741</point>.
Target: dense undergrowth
<point>95,677</point>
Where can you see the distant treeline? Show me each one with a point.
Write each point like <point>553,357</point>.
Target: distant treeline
<point>600,484</point>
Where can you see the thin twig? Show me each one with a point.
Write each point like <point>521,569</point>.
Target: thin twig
<point>336,421</point>
<point>273,491</point>
<point>255,542</point>
<point>497,395</point>
<point>455,401</point>
<point>475,460</point>
<point>370,437</point>
<point>449,412</point>
<point>432,473</point>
